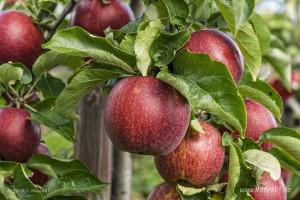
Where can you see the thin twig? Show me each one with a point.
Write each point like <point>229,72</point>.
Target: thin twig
<point>30,90</point>
<point>70,6</point>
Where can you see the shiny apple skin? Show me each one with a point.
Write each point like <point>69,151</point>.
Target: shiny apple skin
<point>220,47</point>
<point>196,162</point>
<point>95,17</point>
<point>145,115</point>
<point>20,40</point>
<point>20,137</point>
<point>269,189</point>
<point>164,191</point>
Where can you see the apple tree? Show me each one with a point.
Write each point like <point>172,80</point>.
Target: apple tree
<point>185,83</point>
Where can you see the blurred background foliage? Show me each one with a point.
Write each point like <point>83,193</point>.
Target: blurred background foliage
<point>283,18</point>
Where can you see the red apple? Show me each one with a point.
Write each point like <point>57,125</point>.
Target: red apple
<point>196,162</point>
<point>145,115</point>
<point>20,38</point>
<point>19,136</point>
<point>164,191</point>
<point>269,189</point>
<point>38,177</point>
<point>286,175</point>
<point>259,120</point>
<point>220,47</point>
<point>95,16</point>
<point>284,93</point>
<point>10,2</point>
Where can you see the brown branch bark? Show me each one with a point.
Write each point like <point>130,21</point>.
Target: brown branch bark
<point>93,146</point>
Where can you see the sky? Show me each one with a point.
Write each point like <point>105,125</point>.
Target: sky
<point>270,5</point>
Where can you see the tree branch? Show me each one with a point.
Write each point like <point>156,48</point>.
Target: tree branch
<point>70,6</point>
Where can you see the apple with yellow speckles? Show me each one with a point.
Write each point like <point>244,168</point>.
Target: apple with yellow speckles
<point>145,115</point>
<point>20,39</point>
<point>220,47</point>
<point>164,191</point>
<point>95,16</point>
<point>196,162</point>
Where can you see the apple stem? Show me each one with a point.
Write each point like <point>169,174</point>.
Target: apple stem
<point>69,7</point>
<point>30,108</point>
<point>13,91</point>
<point>29,92</point>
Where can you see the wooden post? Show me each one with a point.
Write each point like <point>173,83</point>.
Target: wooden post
<point>138,7</point>
<point>93,147</point>
<point>122,175</point>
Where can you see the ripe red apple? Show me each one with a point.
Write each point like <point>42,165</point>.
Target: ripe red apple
<point>269,189</point>
<point>95,16</point>
<point>220,47</point>
<point>10,2</point>
<point>286,175</point>
<point>164,191</point>
<point>38,177</point>
<point>20,38</point>
<point>259,120</point>
<point>196,162</point>
<point>145,115</point>
<point>19,136</point>
<point>284,93</point>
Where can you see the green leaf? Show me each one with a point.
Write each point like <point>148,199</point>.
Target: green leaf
<point>240,175</point>
<point>7,194</point>
<point>236,12</point>
<point>250,47</point>
<point>128,43</point>
<point>7,168</point>
<point>55,121</point>
<point>249,144</point>
<point>143,42</point>
<point>59,166</point>
<point>26,76</point>
<point>10,73</point>
<point>195,125</point>
<point>52,59</point>
<point>262,31</point>
<point>157,10</point>
<point>192,193</point>
<point>264,161</point>
<point>281,62</point>
<point>217,92</point>
<point>165,46</point>
<point>50,86</point>
<point>227,139</point>
<point>263,93</point>
<point>129,29</point>
<point>287,140</point>
<point>83,83</point>
<point>76,181</point>
<point>178,11</point>
<point>23,187</point>
<point>286,160</point>
<point>198,98</point>
<point>200,10</point>
<point>77,42</point>
<point>67,198</point>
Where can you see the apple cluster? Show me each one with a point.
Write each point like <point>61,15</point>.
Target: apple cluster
<point>146,116</point>
<point>20,137</point>
<point>143,115</point>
